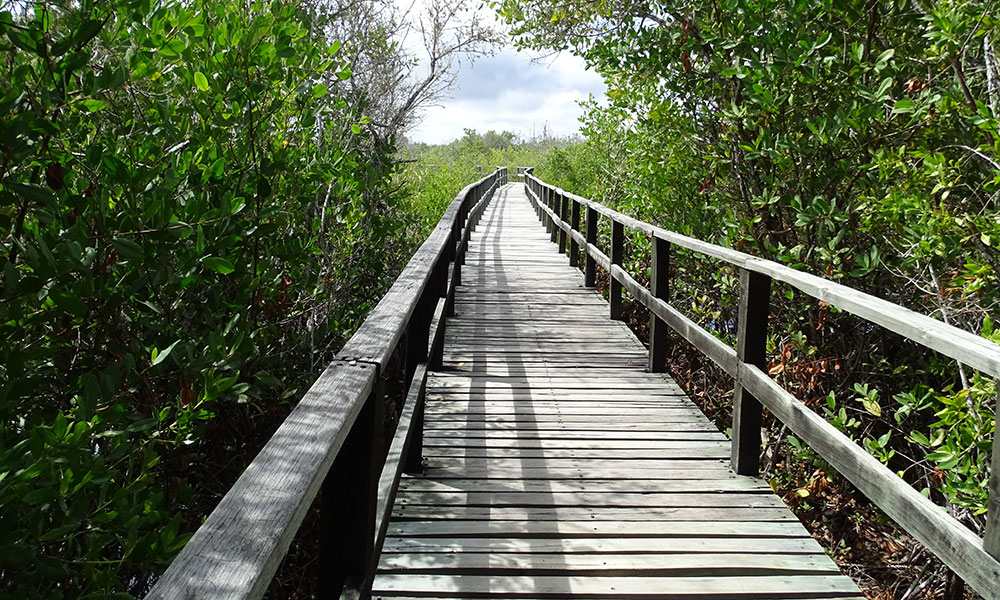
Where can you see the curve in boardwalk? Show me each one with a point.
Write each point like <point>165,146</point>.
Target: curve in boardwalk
<point>557,467</point>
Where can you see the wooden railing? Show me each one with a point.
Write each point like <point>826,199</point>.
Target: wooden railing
<point>332,440</point>
<point>975,560</point>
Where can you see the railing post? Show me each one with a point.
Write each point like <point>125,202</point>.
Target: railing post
<point>554,207</point>
<point>659,286</point>
<point>751,350</point>
<point>439,279</point>
<point>550,223</point>
<point>617,254</point>
<point>456,268</point>
<point>457,256</point>
<point>590,268</point>
<point>563,210</point>
<point>415,455</point>
<point>574,246</point>
<point>991,538</point>
<point>350,491</point>
<point>417,340</point>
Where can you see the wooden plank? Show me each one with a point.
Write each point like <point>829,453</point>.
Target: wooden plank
<point>588,499</point>
<point>603,545</point>
<point>573,443</point>
<point>551,473</point>
<point>595,513</point>
<point>618,587</point>
<point>704,564</point>
<point>742,484</point>
<point>536,434</point>
<point>596,529</point>
<point>653,465</point>
<point>704,451</point>
<point>638,427</point>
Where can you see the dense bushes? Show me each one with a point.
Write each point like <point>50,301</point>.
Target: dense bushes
<point>188,225</point>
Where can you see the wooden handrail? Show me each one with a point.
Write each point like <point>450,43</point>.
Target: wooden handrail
<point>975,560</point>
<point>332,439</point>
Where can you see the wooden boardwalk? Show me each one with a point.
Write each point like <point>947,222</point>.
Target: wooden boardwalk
<point>557,467</point>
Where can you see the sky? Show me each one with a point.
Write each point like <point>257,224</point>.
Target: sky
<point>510,92</point>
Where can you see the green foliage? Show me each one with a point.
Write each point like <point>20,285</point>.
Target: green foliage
<point>854,140</point>
<point>190,219</point>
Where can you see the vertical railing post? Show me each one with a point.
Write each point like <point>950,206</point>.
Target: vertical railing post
<point>417,340</point>
<point>590,268</point>
<point>546,196</point>
<point>415,455</point>
<point>543,200</point>
<point>617,254</point>
<point>751,350</point>
<point>554,206</point>
<point>991,538</point>
<point>563,217</point>
<point>349,498</point>
<point>659,286</point>
<point>574,246</point>
<point>440,280</point>
<point>453,261</point>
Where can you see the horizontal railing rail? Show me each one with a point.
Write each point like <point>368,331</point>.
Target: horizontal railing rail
<point>333,440</point>
<point>974,559</point>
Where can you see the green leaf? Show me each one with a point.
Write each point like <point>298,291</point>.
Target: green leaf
<point>872,406</point>
<point>355,128</point>
<point>159,357</point>
<point>173,48</point>
<point>128,249</point>
<point>319,90</point>
<point>903,106</point>
<point>201,81</point>
<point>33,192</point>
<point>884,57</point>
<point>92,105</point>
<point>87,31</point>
<point>142,425</point>
<point>219,265</point>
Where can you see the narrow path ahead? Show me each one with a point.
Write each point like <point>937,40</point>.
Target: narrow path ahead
<point>557,467</point>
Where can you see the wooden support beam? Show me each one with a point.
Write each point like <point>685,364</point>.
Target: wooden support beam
<point>751,348</point>
<point>659,286</point>
<point>563,201</point>
<point>617,254</point>
<point>349,502</point>
<point>553,204</point>
<point>574,246</point>
<point>590,269</point>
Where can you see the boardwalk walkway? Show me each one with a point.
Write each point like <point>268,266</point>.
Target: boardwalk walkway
<point>557,467</point>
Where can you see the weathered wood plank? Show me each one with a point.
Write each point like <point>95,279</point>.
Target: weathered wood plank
<point>741,484</point>
<point>596,513</point>
<point>595,529</point>
<point>703,564</point>
<point>618,587</point>
<point>603,545</point>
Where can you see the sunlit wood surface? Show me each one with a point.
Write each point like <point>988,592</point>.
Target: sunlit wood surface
<point>557,467</point>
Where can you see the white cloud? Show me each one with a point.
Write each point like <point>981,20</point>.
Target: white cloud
<point>509,91</point>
